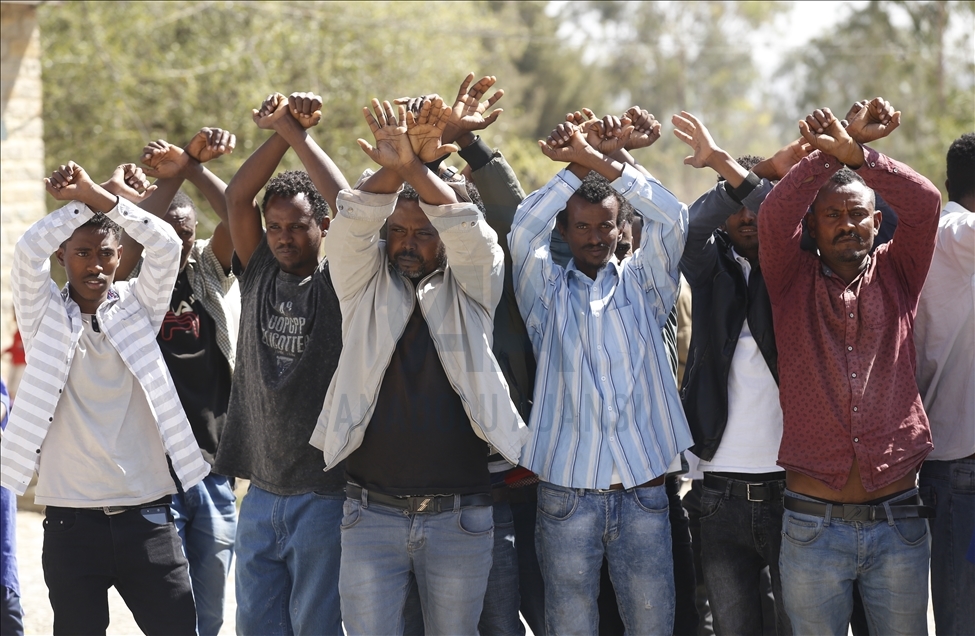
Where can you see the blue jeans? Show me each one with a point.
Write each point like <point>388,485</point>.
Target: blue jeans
<point>739,539</point>
<point>383,548</point>
<point>576,528</point>
<point>288,553</point>
<point>949,486</point>
<point>206,519</point>
<point>822,557</point>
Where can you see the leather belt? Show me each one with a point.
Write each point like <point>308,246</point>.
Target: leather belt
<point>860,512</point>
<point>659,481</point>
<point>115,510</point>
<point>759,491</point>
<point>418,504</point>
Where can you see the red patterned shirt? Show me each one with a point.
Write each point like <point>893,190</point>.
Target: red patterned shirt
<point>846,352</point>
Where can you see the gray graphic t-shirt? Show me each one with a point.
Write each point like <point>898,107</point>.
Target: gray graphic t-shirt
<point>288,348</point>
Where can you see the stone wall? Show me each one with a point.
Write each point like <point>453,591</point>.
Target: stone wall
<point>22,196</point>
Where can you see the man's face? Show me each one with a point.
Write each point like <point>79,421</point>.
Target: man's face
<point>624,246</point>
<point>843,223</point>
<point>90,258</point>
<point>292,233</point>
<point>742,229</point>
<point>413,245</point>
<point>591,232</point>
<point>183,221</point>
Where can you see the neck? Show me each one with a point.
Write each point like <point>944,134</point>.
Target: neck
<point>849,271</point>
<point>86,306</point>
<point>967,202</point>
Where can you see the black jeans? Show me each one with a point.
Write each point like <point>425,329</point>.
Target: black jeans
<point>740,538</point>
<point>138,551</point>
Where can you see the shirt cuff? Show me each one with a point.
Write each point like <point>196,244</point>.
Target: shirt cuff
<point>628,180</point>
<point>569,179</point>
<point>477,155</point>
<point>356,204</point>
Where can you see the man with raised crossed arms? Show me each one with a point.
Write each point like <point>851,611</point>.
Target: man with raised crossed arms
<point>854,430</point>
<point>416,427</point>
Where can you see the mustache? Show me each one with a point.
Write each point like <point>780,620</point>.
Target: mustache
<point>847,235</point>
<point>407,253</point>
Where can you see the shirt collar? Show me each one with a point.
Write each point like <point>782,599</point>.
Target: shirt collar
<point>613,266</point>
<point>953,207</point>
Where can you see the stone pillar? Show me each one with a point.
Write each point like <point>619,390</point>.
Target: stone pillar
<point>22,195</point>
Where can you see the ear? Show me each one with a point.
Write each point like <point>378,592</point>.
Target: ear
<point>60,255</point>
<point>118,253</point>
<point>561,228</point>
<point>877,218</point>
<point>326,222</point>
<point>811,223</point>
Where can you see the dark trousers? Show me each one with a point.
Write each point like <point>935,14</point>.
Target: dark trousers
<point>138,551</point>
<point>739,539</point>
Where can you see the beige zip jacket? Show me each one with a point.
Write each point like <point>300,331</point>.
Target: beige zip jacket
<point>457,302</point>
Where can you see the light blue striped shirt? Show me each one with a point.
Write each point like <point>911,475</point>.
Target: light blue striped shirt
<point>604,391</point>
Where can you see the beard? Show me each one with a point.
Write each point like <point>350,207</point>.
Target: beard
<point>421,267</point>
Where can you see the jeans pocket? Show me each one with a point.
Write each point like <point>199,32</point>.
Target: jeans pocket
<point>962,480</point>
<point>59,523</point>
<point>801,531</point>
<point>911,531</point>
<point>710,502</point>
<point>556,504</point>
<point>651,499</point>
<point>476,520</point>
<point>351,513</point>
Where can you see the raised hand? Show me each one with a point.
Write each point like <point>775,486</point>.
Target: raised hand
<point>873,120</point>
<point>566,143</point>
<point>467,113</point>
<point>425,130</point>
<point>822,130</point>
<point>163,160</point>
<point>69,182</point>
<point>692,132</point>
<point>210,143</point>
<point>129,182</point>
<point>783,160</point>
<point>275,107</point>
<point>392,149</point>
<point>646,128</point>
<point>306,108</point>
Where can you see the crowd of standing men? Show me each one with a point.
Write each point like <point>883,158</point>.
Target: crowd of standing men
<point>469,410</point>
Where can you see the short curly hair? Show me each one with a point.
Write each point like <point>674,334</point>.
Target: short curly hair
<point>596,188</point>
<point>292,183</point>
<point>748,162</point>
<point>961,167</point>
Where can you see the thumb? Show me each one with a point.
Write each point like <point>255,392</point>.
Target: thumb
<point>366,148</point>
<point>448,148</point>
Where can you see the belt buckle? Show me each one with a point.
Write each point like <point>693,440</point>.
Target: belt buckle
<point>114,510</point>
<point>748,493</point>
<point>858,513</point>
<point>422,504</point>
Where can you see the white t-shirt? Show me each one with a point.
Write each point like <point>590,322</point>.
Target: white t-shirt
<point>103,447</point>
<point>750,443</point>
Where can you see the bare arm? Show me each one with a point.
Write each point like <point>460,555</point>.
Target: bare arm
<point>243,211</point>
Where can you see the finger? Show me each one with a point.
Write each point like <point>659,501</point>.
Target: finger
<point>370,119</point>
<point>378,114</point>
<point>402,100</point>
<point>588,113</point>
<point>464,85</point>
<point>492,100</point>
<point>366,148</point>
<point>490,119</point>
<point>390,114</point>
<point>402,115</point>
<point>807,133</point>
<point>230,143</point>
<point>449,148</point>
<point>689,160</point>
<point>683,136</point>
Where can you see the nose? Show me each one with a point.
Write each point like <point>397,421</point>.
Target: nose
<point>748,215</point>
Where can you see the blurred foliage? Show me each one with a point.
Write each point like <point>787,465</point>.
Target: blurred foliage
<point>918,55</point>
<point>119,74</point>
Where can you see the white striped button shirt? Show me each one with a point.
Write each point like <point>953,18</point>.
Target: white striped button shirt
<point>604,391</point>
<point>50,323</point>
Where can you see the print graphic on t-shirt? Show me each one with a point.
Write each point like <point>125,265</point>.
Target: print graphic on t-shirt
<point>285,334</point>
<point>182,319</point>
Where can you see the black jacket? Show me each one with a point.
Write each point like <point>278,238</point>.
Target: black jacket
<point>721,301</point>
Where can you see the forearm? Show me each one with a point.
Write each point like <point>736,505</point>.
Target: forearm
<point>210,186</point>
<point>727,168</point>
<point>623,156</point>
<point>431,188</point>
<point>326,176</point>
<point>500,192</point>
<point>780,219</point>
<point>352,243</point>
<point>30,276</point>
<point>243,212</point>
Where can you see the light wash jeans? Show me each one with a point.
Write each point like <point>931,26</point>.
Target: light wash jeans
<point>383,548</point>
<point>288,553</point>
<point>576,528</point>
<point>822,557</point>
<point>949,486</point>
<point>206,519</point>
